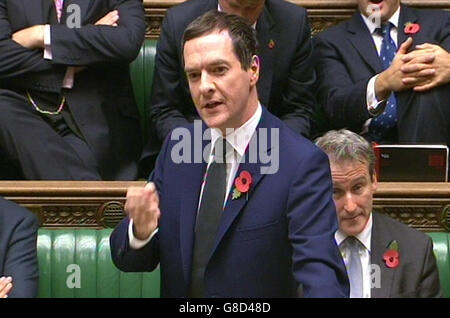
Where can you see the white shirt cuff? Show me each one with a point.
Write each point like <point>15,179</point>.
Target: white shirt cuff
<point>374,106</point>
<point>47,40</point>
<point>136,243</point>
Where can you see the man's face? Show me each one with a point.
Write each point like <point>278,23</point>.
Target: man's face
<point>386,8</point>
<point>353,191</point>
<point>223,93</point>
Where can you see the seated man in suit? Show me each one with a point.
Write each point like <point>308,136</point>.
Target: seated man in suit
<point>68,111</point>
<point>384,257</point>
<point>389,95</point>
<point>229,225</point>
<point>285,50</point>
<point>18,256</point>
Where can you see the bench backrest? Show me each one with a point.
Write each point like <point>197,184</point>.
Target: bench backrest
<point>77,263</point>
<point>71,257</point>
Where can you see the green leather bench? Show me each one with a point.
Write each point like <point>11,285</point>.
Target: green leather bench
<point>141,73</point>
<point>77,264</point>
<point>71,257</point>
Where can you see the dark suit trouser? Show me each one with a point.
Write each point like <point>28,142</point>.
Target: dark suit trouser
<point>38,150</point>
<point>425,118</point>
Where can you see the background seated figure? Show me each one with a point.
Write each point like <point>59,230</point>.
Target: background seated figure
<point>68,111</point>
<point>384,258</point>
<point>18,256</point>
<point>385,73</point>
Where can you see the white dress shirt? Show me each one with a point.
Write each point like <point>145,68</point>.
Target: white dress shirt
<point>373,104</point>
<point>238,140</point>
<point>364,253</point>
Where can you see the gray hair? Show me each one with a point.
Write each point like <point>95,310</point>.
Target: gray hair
<point>344,144</point>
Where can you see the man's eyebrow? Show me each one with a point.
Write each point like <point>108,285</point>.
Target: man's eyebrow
<point>189,70</point>
<point>360,179</point>
<point>338,178</point>
<point>213,63</point>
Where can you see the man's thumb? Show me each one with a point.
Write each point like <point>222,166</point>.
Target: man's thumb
<point>405,46</point>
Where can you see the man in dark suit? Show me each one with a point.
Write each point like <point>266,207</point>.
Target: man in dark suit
<point>230,225</point>
<point>384,258</point>
<point>387,96</point>
<point>18,256</point>
<point>67,104</point>
<point>285,50</point>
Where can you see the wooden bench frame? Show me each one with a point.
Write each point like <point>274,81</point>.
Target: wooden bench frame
<point>91,204</point>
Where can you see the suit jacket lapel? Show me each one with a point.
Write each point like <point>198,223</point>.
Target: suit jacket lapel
<point>191,183</point>
<point>362,41</point>
<point>266,33</point>
<point>234,207</point>
<point>379,244</point>
<point>406,15</point>
<point>404,98</point>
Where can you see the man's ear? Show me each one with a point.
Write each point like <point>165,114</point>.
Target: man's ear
<point>374,182</point>
<point>254,69</point>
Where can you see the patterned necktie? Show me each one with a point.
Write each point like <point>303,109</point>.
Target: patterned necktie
<point>381,125</point>
<point>354,267</point>
<point>59,8</point>
<point>208,217</point>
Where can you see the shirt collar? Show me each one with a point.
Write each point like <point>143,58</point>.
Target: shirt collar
<point>372,26</point>
<point>364,237</point>
<point>240,137</point>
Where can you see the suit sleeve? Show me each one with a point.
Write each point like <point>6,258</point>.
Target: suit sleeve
<point>298,98</point>
<point>21,260</point>
<point>429,283</point>
<point>92,44</point>
<point>342,99</point>
<point>16,60</point>
<point>168,91</point>
<point>317,264</point>
<point>147,258</point>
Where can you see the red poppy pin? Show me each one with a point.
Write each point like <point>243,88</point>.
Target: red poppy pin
<point>242,184</point>
<point>411,28</point>
<point>271,44</point>
<point>392,257</point>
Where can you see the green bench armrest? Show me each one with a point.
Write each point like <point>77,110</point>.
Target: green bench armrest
<point>441,251</point>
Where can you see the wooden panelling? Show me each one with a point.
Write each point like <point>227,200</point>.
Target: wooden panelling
<point>62,204</point>
<point>322,13</point>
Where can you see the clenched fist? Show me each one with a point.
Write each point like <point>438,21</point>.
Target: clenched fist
<point>142,206</point>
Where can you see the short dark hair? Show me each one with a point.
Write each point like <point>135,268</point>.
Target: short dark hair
<point>240,30</point>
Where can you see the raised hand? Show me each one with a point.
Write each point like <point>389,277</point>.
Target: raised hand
<point>142,206</point>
